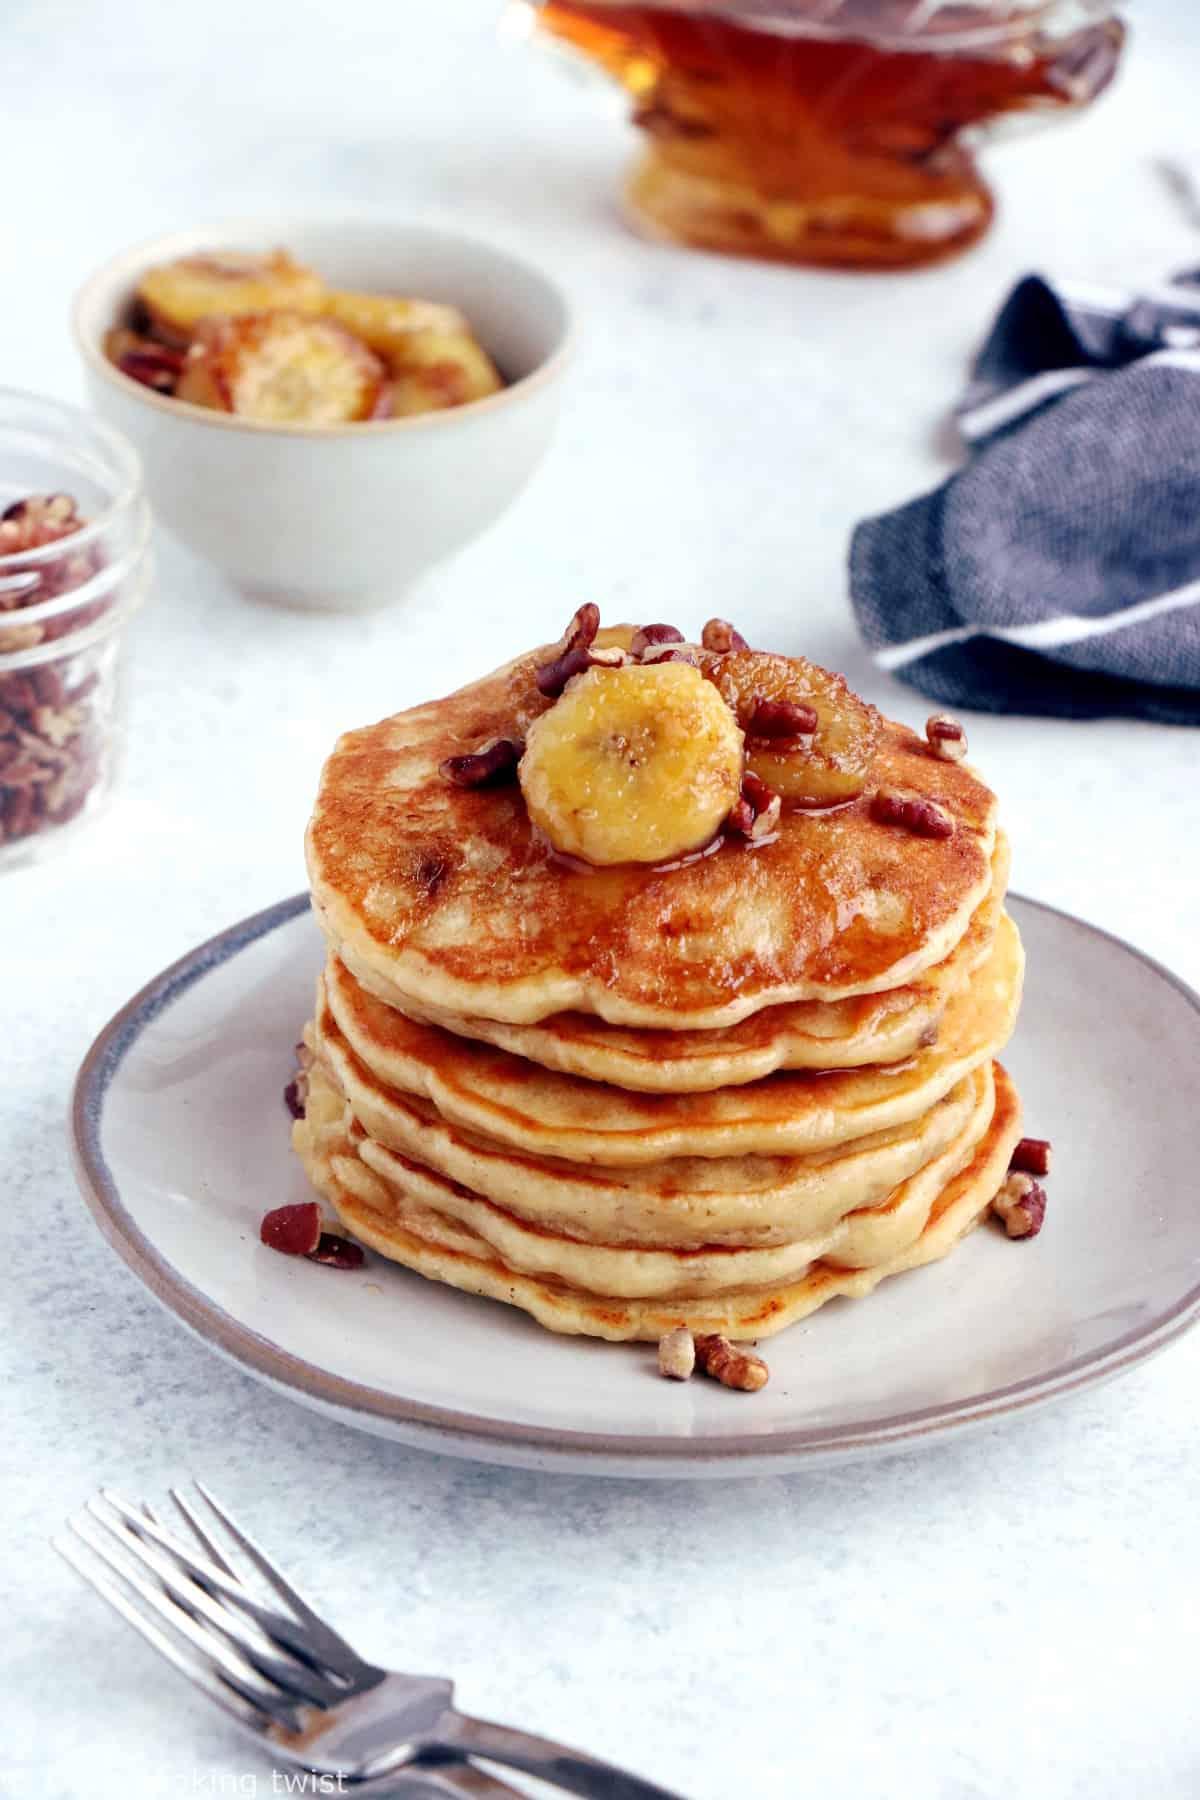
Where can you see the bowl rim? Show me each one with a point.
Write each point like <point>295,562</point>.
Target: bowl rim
<point>125,261</point>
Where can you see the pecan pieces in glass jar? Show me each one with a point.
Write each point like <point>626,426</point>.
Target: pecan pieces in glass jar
<point>51,711</point>
<point>50,750</point>
<point>31,525</point>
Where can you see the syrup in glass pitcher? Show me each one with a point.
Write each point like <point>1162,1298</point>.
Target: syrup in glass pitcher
<point>831,131</point>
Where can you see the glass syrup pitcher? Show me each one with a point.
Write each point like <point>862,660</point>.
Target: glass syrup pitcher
<point>830,131</point>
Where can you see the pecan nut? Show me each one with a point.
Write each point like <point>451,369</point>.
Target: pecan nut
<point>946,737</point>
<point>1032,1156</point>
<point>337,1252</point>
<point>488,767</point>
<point>659,644</point>
<point>719,636</point>
<point>577,651</point>
<point>1021,1206</point>
<point>553,677</point>
<point>915,812</point>
<point>757,811</point>
<point>51,730</point>
<point>294,1230</point>
<point>57,725</point>
<point>729,1364</point>
<point>653,637</point>
<point>581,632</point>
<point>570,653</point>
<point>781,719</point>
<point>677,1354</point>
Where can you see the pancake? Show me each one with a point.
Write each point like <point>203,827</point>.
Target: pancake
<point>684,1202</point>
<point>444,897</point>
<point>502,1097</point>
<point>636,1271</point>
<point>807,1034</point>
<point>390,1219</point>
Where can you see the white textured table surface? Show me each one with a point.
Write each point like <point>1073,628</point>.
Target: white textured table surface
<point>1013,1614</point>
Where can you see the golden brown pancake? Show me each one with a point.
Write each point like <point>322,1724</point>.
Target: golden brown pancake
<point>684,1202</point>
<point>444,897</point>
<point>655,1271</point>
<point>807,1034</point>
<point>396,1219</point>
<point>515,1102</point>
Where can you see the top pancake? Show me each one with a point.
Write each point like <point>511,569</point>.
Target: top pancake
<point>444,897</point>
<point>805,1034</point>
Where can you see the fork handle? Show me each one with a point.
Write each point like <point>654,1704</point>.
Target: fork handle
<point>548,1761</point>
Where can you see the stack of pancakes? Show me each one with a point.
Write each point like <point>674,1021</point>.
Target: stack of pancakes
<point>716,1094</point>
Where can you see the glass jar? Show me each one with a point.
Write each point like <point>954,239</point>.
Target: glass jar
<point>74,567</point>
<point>830,131</point>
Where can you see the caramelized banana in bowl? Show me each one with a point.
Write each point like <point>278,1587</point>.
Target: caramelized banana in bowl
<point>325,410</point>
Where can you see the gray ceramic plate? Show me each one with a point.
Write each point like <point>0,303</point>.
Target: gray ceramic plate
<point>181,1144</point>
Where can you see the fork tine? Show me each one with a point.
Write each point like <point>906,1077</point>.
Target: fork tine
<point>230,1667</point>
<point>207,1543</point>
<point>197,1671</point>
<point>336,1652</point>
<point>278,1626</point>
<point>265,1643</point>
<point>295,1678</point>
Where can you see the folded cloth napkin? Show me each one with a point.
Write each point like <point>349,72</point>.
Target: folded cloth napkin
<point>1058,572</point>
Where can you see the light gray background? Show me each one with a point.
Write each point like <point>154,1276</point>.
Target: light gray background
<point>1014,1615</point>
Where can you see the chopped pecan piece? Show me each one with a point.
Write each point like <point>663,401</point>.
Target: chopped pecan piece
<point>58,725</point>
<point>677,1354</point>
<point>18,810</point>
<point>653,637</point>
<point>52,511</point>
<point>495,763</point>
<point>916,813</point>
<point>576,651</point>
<point>295,1230</point>
<point>1021,1206</point>
<point>732,1366</point>
<point>337,1252</point>
<point>553,677</point>
<point>946,737</point>
<point>719,636</point>
<point>1032,1156</point>
<point>758,810</point>
<point>781,719</point>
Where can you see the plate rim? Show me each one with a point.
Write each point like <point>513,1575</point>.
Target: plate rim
<point>473,1435</point>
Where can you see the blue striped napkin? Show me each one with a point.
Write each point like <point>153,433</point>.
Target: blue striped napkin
<point>1058,572</point>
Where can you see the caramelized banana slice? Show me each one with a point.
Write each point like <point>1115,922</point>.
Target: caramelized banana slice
<point>637,764</point>
<point>387,323</point>
<point>441,369</point>
<point>828,759</point>
<point>284,368</point>
<point>225,284</point>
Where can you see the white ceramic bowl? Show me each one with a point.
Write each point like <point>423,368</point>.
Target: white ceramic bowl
<point>342,517</point>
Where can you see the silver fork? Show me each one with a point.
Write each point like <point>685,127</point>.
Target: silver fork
<point>291,1682</point>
